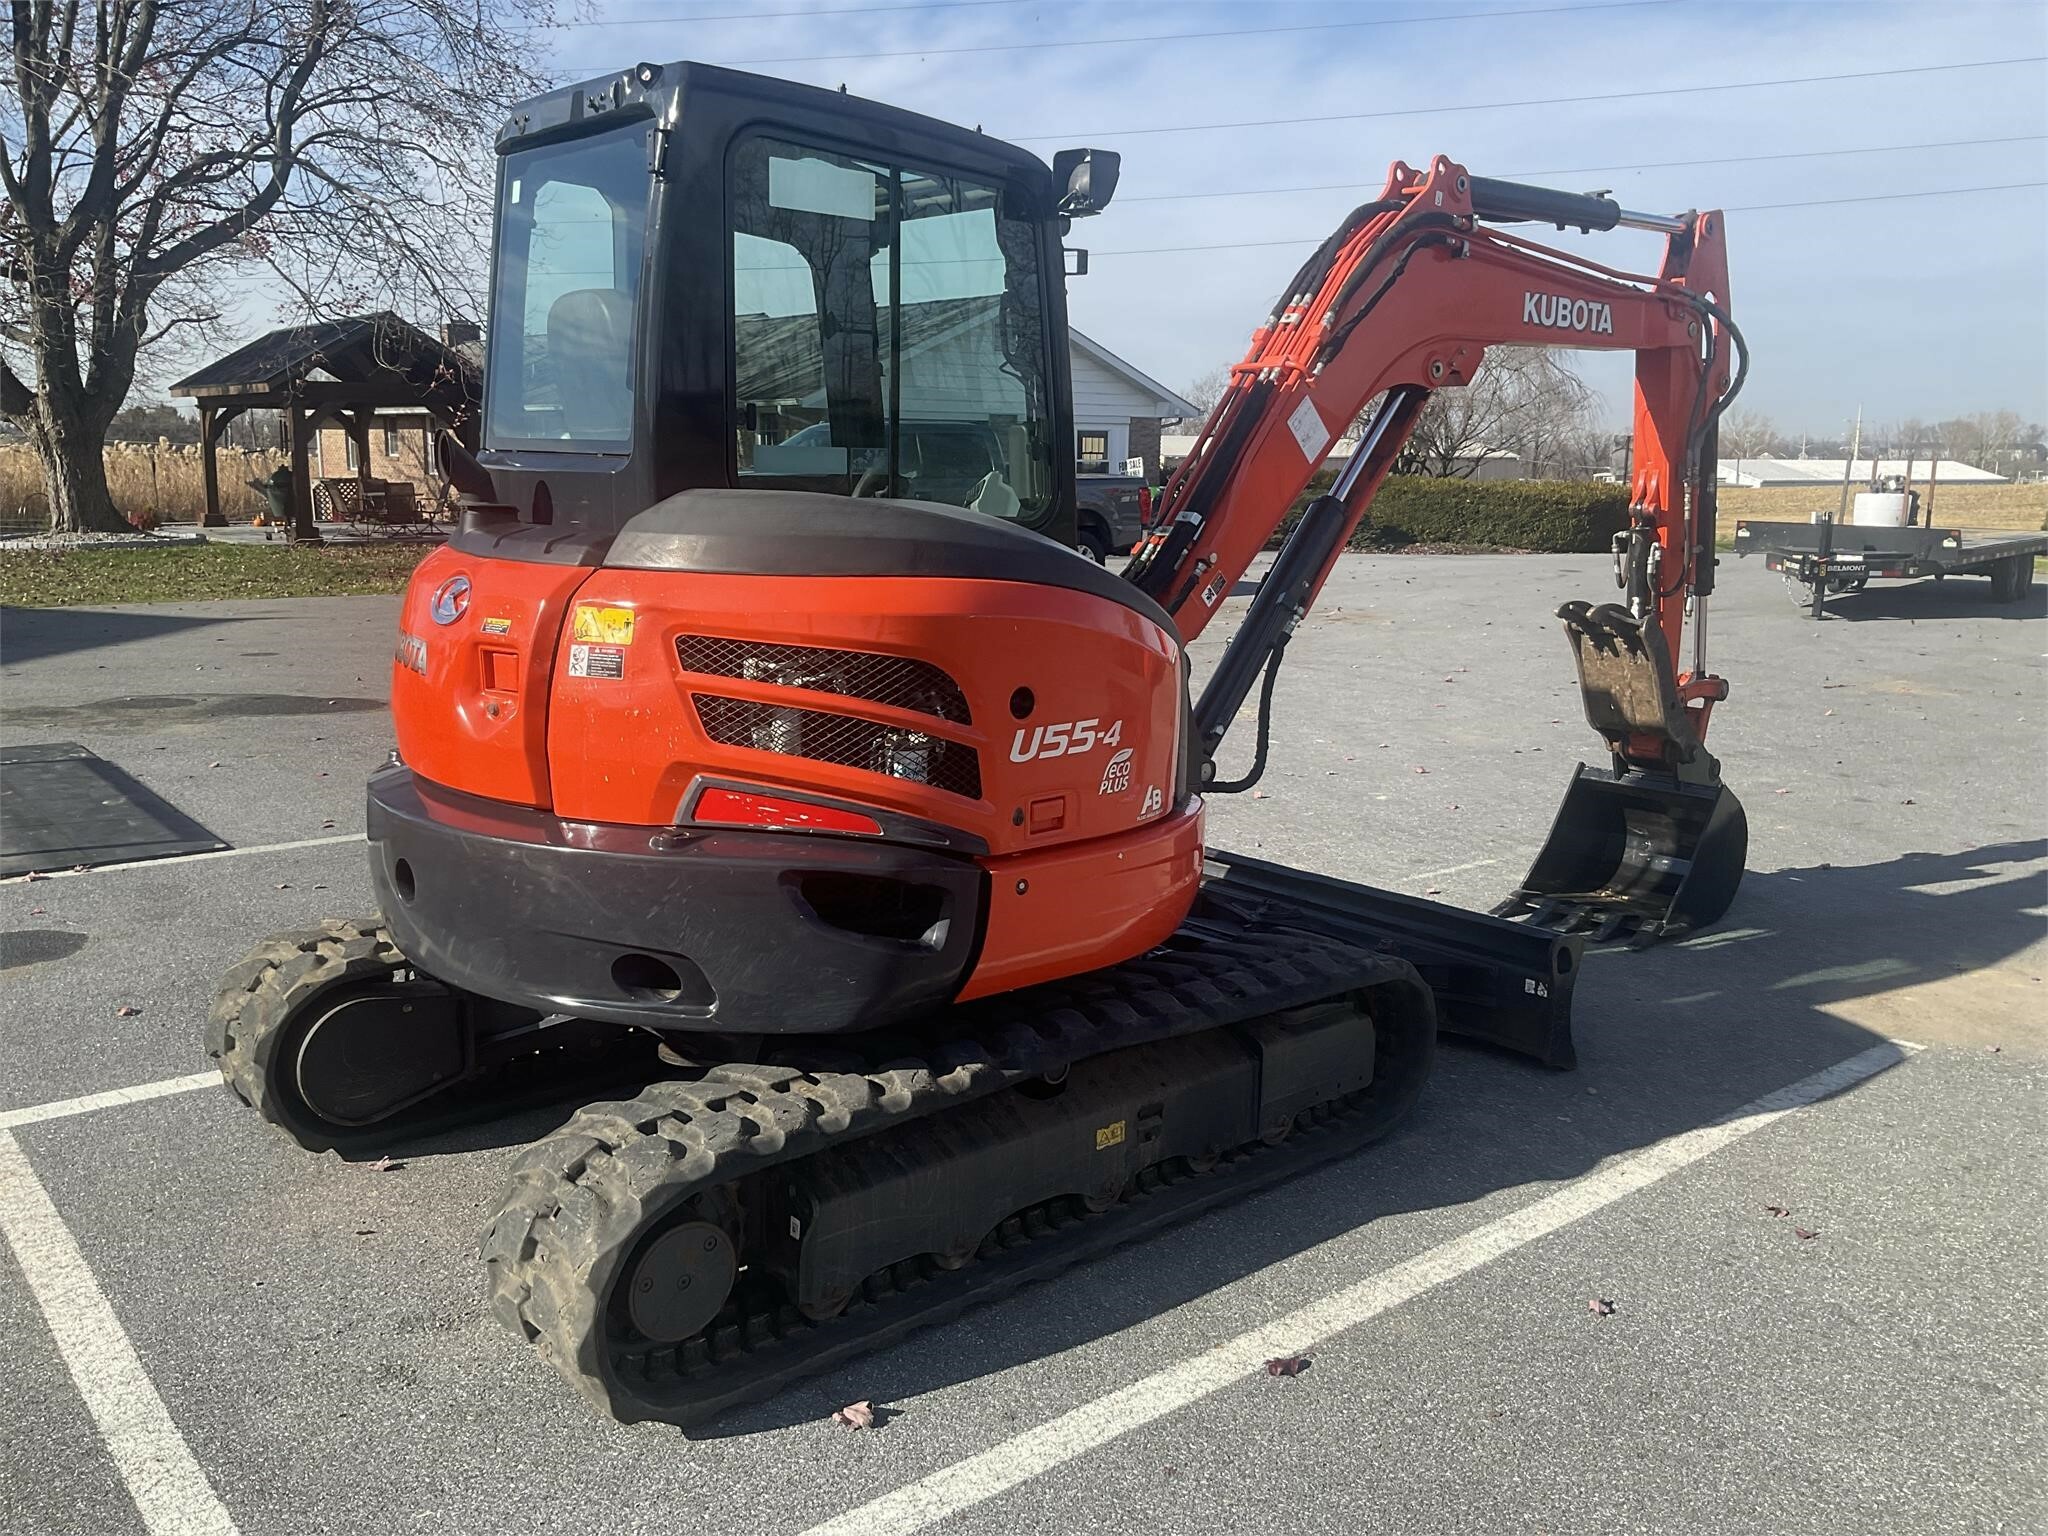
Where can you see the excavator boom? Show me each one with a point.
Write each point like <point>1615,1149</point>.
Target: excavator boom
<point>1402,300</point>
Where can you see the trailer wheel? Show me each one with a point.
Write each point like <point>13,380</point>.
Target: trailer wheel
<point>2012,578</point>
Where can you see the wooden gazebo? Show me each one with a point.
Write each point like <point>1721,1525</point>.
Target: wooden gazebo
<point>345,369</point>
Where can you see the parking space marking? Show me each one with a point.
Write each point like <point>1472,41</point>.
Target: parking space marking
<point>170,1492</point>
<point>192,858</point>
<point>1455,869</point>
<point>1002,1467</point>
<point>61,1109</point>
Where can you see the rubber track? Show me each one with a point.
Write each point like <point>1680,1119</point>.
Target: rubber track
<point>280,980</point>
<point>268,987</point>
<point>578,1201</point>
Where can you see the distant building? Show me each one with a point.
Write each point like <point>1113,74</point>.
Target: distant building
<point>1117,410</point>
<point>1812,472</point>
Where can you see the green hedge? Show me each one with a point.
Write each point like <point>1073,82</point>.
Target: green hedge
<point>1563,517</point>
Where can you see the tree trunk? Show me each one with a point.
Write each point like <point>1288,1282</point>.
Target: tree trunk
<point>74,469</point>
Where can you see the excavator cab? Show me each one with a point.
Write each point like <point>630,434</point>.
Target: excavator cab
<point>704,278</point>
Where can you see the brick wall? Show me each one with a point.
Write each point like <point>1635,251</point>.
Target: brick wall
<point>412,442</point>
<point>1145,444</point>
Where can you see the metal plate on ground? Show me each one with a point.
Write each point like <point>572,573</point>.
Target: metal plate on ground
<point>61,806</point>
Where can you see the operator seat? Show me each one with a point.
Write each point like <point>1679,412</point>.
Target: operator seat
<point>590,343</point>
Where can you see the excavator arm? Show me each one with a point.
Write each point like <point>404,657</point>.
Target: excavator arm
<point>1402,300</point>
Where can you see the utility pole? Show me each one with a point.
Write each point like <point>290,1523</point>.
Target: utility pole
<point>1849,466</point>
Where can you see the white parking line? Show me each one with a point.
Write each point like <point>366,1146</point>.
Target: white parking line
<point>1022,1457</point>
<point>192,858</point>
<point>170,1492</point>
<point>1455,869</point>
<point>60,1109</point>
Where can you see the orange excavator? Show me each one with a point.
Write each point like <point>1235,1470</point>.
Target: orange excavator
<point>765,747</point>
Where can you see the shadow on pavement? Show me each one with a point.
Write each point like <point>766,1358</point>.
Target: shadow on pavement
<point>1678,1036</point>
<point>1963,597</point>
<point>34,634</point>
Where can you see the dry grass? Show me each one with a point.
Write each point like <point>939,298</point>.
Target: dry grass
<point>165,479</point>
<point>1955,506</point>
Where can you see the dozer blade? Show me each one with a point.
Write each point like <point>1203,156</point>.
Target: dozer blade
<point>1655,847</point>
<point>1635,857</point>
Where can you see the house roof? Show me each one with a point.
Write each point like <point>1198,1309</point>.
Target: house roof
<point>1770,471</point>
<point>357,349</point>
<point>1167,402</point>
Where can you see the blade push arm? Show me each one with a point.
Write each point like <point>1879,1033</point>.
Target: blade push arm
<point>1403,299</point>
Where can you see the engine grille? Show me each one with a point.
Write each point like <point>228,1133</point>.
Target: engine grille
<point>901,682</point>
<point>843,739</point>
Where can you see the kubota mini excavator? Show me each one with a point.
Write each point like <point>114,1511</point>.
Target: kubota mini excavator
<point>760,743</point>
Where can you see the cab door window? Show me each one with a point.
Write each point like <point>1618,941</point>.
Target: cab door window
<point>888,333</point>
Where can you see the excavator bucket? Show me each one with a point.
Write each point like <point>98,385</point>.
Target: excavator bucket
<point>1636,853</point>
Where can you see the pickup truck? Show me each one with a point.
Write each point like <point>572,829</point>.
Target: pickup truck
<point>1111,511</point>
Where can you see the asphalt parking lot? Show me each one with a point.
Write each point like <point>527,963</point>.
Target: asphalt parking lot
<point>260,1340</point>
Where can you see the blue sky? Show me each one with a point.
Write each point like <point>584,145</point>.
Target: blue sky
<point>1928,306</point>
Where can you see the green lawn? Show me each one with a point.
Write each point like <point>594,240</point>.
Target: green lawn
<point>197,572</point>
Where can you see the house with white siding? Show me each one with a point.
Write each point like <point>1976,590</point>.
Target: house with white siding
<point>1117,410</point>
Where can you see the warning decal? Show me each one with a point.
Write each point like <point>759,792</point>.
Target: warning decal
<point>497,626</point>
<point>603,626</point>
<point>1307,426</point>
<point>596,661</point>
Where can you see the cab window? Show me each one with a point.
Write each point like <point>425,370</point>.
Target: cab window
<point>888,333</point>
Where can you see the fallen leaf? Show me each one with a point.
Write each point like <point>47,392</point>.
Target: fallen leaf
<point>213,765</point>
<point>1781,791</point>
<point>1779,1210</point>
<point>1260,794</point>
<point>1803,1233</point>
<point>1289,1365</point>
<point>38,912</point>
<point>1433,890</point>
<point>1600,1306</point>
<point>34,875</point>
<point>1907,801</point>
<point>386,1164</point>
<point>1989,1050</point>
<point>859,1415</point>
<point>325,825</point>
<point>1420,769</point>
<point>127,1011</point>
<point>284,885</point>
<point>365,1231</point>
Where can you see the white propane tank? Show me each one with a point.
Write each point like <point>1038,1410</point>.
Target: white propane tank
<point>1880,509</point>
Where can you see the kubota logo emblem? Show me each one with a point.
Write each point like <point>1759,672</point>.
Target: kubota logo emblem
<point>451,600</point>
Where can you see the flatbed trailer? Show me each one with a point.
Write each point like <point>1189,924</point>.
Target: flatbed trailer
<point>1825,558</point>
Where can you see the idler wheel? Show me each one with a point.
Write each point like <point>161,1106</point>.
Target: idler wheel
<point>680,1282</point>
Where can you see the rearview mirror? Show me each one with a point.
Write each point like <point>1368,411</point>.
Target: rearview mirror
<point>1087,178</point>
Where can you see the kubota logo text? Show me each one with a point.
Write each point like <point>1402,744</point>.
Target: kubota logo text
<point>1567,314</point>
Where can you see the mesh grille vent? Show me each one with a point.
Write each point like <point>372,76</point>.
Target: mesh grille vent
<point>901,682</point>
<point>841,739</point>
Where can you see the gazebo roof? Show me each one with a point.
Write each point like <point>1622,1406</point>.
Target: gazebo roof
<point>378,350</point>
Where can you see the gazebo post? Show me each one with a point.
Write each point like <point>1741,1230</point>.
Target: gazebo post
<point>209,438</point>
<point>358,423</point>
<point>303,530</point>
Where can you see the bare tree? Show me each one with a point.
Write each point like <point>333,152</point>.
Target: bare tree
<point>1205,391</point>
<point>1747,434</point>
<point>1526,401</point>
<point>152,152</point>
